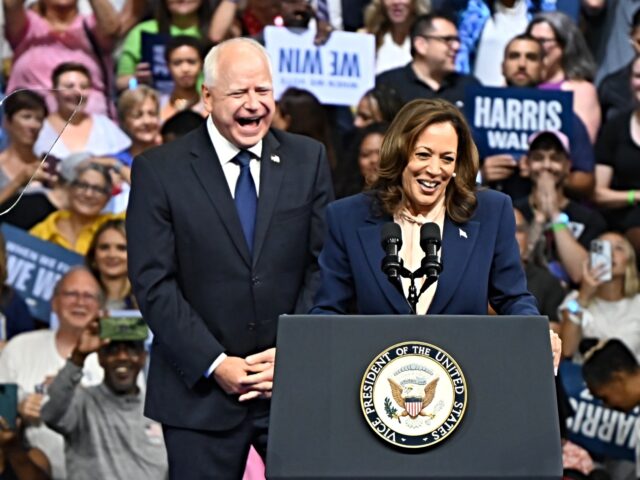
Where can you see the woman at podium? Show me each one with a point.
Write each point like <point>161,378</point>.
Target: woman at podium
<point>428,170</point>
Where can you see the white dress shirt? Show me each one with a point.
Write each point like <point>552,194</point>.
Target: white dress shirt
<point>226,153</point>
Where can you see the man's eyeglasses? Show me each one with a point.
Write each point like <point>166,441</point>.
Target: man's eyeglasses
<point>547,41</point>
<point>76,296</point>
<point>449,40</point>
<point>87,187</point>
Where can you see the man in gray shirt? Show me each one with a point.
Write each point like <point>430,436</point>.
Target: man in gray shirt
<point>106,434</point>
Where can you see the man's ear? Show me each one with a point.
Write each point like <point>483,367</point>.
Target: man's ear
<point>420,45</point>
<point>206,98</point>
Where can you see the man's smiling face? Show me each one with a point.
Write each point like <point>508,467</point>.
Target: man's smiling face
<point>241,98</point>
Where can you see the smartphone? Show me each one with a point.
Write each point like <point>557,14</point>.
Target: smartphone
<point>50,167</point>
<point>124,325</point>
<point>9,403</point>
<point>600,254</point>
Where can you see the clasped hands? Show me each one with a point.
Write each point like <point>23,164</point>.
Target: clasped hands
<point>250,377</point>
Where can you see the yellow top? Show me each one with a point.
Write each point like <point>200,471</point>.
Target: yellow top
<point>48,230</point>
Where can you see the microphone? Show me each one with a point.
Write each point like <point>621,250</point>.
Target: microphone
<point>391,241</point>
<point>430,243</point>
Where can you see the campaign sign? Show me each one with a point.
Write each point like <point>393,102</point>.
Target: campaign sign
<point>337,73</point>
<point>600,430</point>
<point>34,267</point>
<point>153,48</point>
<point>502,119</point>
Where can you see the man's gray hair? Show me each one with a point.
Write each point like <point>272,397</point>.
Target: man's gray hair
<point>211,60</point>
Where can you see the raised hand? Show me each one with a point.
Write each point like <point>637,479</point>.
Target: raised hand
<point>88,342</point>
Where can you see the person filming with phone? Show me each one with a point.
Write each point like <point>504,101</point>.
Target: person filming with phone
<point>95,419</point>
<point>607,303</point>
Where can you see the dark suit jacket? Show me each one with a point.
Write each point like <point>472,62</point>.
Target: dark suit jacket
<point>480,261</point>
<point>198,288</point>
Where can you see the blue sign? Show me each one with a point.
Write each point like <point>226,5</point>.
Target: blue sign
<point>153,48</point>
<point>502,119</point>
<point>34,267</point>
<point>600,430</point>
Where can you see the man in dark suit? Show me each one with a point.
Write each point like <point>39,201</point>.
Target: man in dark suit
<point>224,229</point>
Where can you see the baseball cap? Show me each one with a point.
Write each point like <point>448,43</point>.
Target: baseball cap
<point>560,137</point>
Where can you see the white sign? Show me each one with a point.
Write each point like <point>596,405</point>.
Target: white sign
<point>338,72</point>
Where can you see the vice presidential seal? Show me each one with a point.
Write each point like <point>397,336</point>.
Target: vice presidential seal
<point>413,394</point>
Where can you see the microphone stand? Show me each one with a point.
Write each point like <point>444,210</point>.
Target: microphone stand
<point>431,267</point>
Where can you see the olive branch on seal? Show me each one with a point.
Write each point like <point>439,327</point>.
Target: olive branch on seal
<point>390,410</point>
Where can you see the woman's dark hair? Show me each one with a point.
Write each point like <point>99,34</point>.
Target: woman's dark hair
<point>181,123</point>
<point>24,100</point>
<point>163,17</point>
<point>183,41</point>
<point>577,60</point>
<point>387,100</point>
<point>66,67</point>
<point>397,148</point>
<point>348,179</point>
<point>307,117</point>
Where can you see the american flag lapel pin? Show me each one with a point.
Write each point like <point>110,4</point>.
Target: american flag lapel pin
<point>462,233</point>
<point>275,158</point>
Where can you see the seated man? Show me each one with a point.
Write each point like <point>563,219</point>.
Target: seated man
<point>31,359</point>
<point>561,227</point>
<point>106,433</point>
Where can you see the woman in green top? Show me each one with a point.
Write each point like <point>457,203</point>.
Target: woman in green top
<point>172,17</point>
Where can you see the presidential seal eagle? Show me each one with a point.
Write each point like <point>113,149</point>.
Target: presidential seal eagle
<point>412,400</point>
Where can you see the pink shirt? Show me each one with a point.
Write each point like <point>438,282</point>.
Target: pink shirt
<point>40,49</point>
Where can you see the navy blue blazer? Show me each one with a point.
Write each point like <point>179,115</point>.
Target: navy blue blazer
<point>480,259</point>
<point>199,289</point>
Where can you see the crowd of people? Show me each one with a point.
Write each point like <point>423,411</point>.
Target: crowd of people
<point>86,90</point>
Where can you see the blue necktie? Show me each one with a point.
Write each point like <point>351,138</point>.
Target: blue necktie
<point>322,10</point>
<point>245,197</point>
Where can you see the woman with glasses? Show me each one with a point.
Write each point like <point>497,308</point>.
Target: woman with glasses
<point>390,21</point>
<point>569,65</point>
<point>74,228</point>
<point>107,260</point>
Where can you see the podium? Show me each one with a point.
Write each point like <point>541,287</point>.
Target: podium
<point>509,430</point>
